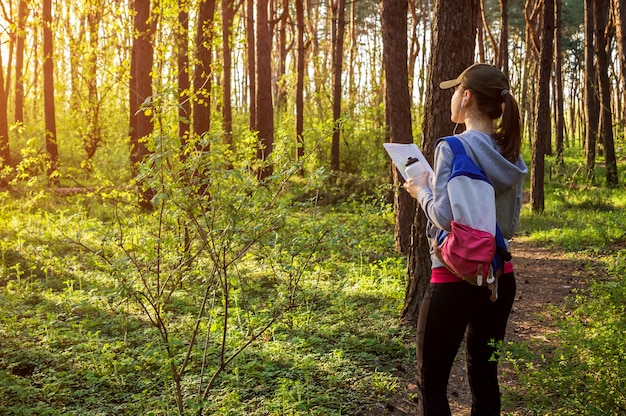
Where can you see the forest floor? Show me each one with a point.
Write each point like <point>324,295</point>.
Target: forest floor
<point>545,276</point>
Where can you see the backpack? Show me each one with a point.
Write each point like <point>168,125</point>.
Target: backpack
<point>474,249</point>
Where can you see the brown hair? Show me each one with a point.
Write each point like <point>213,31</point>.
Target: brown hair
<point>509,130</point>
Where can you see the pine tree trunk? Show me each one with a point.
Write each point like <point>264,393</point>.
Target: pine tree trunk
<point>542,130</point>
<point>48,88</point>
<point>300,80</point>
<point>141,89</point>
<point>601,11</point>
<point>398,107</point>
<point>202,71</point>
<point>454,31</point>
<point>591,92</point>
<point>264,108</point>
<point>338,29</point>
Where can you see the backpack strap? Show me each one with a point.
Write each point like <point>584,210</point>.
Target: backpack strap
<point>455,145</point>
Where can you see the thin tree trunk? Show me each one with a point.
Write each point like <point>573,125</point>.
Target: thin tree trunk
<point>264,124</point>
<point>602,65</point>
<point>619,7</point>
<point>48,88</point>
<point>591,92</point>
<point>184,84</point>
<point>558,75</point>
<point>202,71</point>
<point>503,55</point>
<point>338,8</point>
<point>93,138</point>
<point>19,61</point>
<point>5,151</point>
<point>300,28</point>
<point>542,130</point>
<point>283,48</point>
<point>228,13</point>
<point>251,62</point>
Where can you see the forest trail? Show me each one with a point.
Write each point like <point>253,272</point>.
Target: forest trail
<point>545,276</point>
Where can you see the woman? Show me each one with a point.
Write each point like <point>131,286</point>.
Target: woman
<point>452,307</point>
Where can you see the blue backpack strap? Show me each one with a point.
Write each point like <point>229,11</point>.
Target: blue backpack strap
<point>463,164</point>
<point>455,145</point>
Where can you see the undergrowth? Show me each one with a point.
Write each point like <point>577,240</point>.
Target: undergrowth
<point>581,371</point>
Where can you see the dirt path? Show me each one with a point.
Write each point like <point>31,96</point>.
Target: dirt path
<point>544,277</point>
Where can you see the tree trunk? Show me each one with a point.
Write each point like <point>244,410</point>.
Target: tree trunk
<point>542,130</point>
<point>5,151</point>
<point>264,108</point>
<point>184,84</point>
<point>93,137</point>
<point>48,88</point>
<point>503,51</point>
<point>283,23</point>
<point>141,89</point>
<point>228,13</point>
<point>591,92</point>
<point>398,107</point>
<point>453,38</point>
<point>619,7</point>
<point>300,80</point>
<point>558,75</point>
<point>202,71</point>
<point>338,8</point>
<point>251,62</point>
<point>601,11</point>
<point>19,61</point>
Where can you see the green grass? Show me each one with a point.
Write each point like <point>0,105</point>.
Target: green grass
<point>74,338</point>
<point>584,374</point>
<point>71,342</point>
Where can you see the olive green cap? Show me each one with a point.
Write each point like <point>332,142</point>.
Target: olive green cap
<point>484,78</point>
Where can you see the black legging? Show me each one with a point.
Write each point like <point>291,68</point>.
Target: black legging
<point>449,310</point>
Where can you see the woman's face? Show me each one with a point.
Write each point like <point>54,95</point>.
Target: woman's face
<point>456,110</point>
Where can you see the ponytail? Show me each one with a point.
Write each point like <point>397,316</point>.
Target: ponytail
<point>509,132</point>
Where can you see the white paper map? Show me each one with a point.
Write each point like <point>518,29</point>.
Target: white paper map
<point>401,152</point>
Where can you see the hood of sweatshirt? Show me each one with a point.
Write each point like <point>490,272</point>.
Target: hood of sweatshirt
<point>485,152</point>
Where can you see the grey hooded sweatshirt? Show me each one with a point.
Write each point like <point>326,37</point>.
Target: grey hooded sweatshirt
<point>507,179</point>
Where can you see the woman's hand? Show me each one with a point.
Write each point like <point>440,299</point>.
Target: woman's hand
<point>413,185</point>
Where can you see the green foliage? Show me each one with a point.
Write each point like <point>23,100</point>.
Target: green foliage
<point>231,296</point>
<point>580,371</point>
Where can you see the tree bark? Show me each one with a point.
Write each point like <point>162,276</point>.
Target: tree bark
<point>141,89</point>
<point>5,151</point>
<point>251,62</point>
<point>300,28</point>
<point>619,8</point>
<point>48,88</point>
<point>558,75</point>
<point>93,137</point>
<point>592,103</point>
<point>454,30</point>
<point>503,51</point>
<point>283,48</point>
<point>184,83</point>
<point>19,61</point>
<point>228,12</point>
<point>202,71</point>
<point>542,130</point>
<point>338,8</point>
<point>601,11</point>
<point>398,107</point>
<point>264,108</point>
